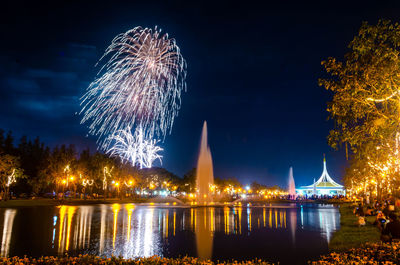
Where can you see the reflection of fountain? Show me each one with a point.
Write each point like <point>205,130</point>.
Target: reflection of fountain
<point>204,174</point>
<point>292,187</point>
<point>293,224</point>
<point>204,225</point>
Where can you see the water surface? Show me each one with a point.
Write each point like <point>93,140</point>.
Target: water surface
<point>291,233</point>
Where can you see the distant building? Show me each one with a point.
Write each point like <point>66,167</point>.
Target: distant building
<point>325,185</point>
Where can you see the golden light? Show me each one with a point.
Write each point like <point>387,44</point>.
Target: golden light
<point>115,208</point>
<point>64,181</point>
<point>117,184</point>
<point>166,183</point>
<point>66,168</point>
<point>71,178</point>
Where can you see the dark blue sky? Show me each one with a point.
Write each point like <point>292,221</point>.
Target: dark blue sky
<point>252,74</point>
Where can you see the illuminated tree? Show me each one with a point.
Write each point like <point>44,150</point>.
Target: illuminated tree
<point>55,173</point>
<point>10,171</point>
<point>366,87</point>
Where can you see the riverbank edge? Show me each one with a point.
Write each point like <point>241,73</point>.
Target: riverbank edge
<point>72,202</point>
<point>351,235</point>
<point>370,253</point>
<point>15,203</point>
<point>94,260</point>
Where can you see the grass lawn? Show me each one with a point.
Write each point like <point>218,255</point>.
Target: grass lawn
<point>350,234</point>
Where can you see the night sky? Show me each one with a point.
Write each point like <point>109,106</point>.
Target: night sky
<point>252,74</point>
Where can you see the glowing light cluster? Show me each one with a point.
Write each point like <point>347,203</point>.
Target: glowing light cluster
<point>139,86</point>
<point>135,147</point>
<point>11,179</point>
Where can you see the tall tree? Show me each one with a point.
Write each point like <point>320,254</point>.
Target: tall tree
<point>59,167</point>
<point>9,144</point>
<point>2,140</point>
<point>10,171</point>
<point>366,101</point>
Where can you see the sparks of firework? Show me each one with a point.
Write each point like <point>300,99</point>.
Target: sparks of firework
<point>135,148</point>
<point>139,85</point>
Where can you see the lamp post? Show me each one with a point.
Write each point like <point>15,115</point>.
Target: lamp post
<point>129,184</point>
<point>117,186</point>
<point>65,183</point>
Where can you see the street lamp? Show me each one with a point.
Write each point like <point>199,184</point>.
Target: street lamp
<point>116,184</point>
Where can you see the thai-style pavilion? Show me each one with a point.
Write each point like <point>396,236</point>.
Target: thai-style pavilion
<point>325,185</point>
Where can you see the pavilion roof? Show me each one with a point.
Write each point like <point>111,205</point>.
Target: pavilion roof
<point>325,181</point>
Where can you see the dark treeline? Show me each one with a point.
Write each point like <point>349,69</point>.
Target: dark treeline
<point>37,169</point>
<point>30,168</point>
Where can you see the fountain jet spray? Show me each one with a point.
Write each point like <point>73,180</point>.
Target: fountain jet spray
<point>204,173</point>
<point>292,187</point>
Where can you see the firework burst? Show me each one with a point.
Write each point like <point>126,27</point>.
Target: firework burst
<point>135,148</point>
<point>138,86</point>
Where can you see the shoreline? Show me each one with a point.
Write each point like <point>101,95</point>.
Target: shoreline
<point>76,202</point>
<point>385,253</point>
<point>53,202</point>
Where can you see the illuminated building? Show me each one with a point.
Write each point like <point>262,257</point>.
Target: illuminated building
<point>325,185</point>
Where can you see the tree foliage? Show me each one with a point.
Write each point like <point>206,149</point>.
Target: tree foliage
<point>10,171</point>
<point>366,98</point>
<point>64,170</point>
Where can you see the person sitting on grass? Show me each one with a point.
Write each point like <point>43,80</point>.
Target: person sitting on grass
<point>359,211</point>
<point>392,229</point>
<point>370,211</point>
<point>380,220</point>
<point>361,221</point>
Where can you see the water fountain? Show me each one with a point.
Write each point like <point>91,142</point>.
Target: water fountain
<point>204,173</point>
<point>292,187</point>
<point>204,182</point>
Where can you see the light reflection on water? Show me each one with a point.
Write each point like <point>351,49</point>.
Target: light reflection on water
<point>130,230</point>
<point>8,222</point>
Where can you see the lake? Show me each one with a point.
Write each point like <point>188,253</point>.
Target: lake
<point>288,233</point>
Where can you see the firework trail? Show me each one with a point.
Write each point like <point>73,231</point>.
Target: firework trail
<point>139,86</point>
<point>135,148</point>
